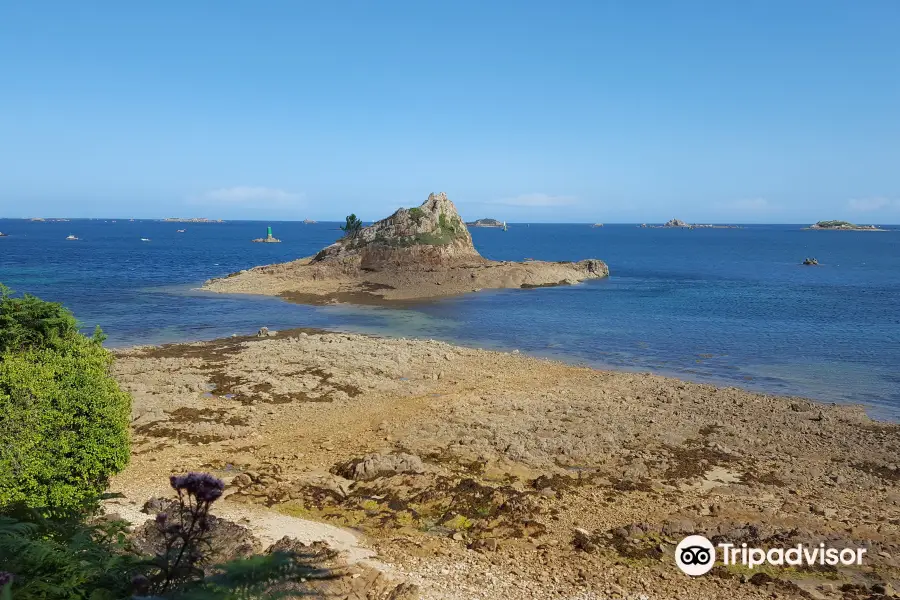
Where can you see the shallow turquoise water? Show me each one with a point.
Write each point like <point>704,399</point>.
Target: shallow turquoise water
<point>727,306</point>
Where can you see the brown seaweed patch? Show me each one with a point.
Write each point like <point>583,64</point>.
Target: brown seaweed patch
<point>533,286</point>
<point>881,471</point>
<point>693,460</point>
<point>194,415</point>
<point>762,478</point>
<point>159,430</point>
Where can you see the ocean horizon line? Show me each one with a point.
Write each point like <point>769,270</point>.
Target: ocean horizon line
<point>216,221</point>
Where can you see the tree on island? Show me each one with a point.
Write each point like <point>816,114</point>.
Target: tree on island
<point>352,225</point>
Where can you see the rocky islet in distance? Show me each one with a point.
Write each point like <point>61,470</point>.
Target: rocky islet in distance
<point>485,223</point>
<point>416,253</point>
<point>842,226</point>
<point>679,224</point>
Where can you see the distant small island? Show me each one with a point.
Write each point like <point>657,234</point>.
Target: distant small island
<point>843,226</point>
<point>679,224</point>
<point>193,220</point>
<point>43,220</point>
<point>486,223</point>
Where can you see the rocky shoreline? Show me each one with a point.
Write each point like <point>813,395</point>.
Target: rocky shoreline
<point>478,474</point>
<point>418,253</point>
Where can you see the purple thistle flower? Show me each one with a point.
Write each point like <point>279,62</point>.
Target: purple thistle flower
<point>161,518</point>
<point>5,578</point>
<point>202,486</point>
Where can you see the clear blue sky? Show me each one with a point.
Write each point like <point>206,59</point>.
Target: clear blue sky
<point>724,111</point>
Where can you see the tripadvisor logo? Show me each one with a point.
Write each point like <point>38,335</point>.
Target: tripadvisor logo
<point>696,555</point>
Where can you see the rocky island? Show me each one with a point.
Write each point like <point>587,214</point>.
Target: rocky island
<point>416,253</point>
<point>842,226</point>
<point>485,223</point>
<point>679,224</point>
<point>191,220</point>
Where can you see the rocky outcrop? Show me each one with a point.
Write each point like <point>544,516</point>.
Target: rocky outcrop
<point>381,465</point>
<point>485,223</point>
<point>421,252</point>
<point>843,226</point>
<point>676,223</point>
<point>430,234</point>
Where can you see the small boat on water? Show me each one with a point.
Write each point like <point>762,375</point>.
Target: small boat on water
<point>145,239</point>
<point>3,234</point>
<point>308,221</point>
<point>179,231</point>
<point>505,228</point>
<point>71,237</point>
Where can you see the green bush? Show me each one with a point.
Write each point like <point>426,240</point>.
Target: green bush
<point>63,417</point>
<point>30,322</point>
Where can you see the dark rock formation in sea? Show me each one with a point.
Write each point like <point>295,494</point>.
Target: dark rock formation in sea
<point>810,262</point>
<point>676,223</point>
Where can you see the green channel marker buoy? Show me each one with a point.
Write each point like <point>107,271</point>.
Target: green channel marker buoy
<point>271,239</point>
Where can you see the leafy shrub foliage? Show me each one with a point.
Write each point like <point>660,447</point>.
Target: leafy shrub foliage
<point>62,558</point>
<point>29,322</point>
<point>63,417</point>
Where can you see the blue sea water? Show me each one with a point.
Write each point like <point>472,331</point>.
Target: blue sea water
<point>730,306</point>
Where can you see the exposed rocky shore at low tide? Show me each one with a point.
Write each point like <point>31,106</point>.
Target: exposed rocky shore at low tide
<point>475,474</point>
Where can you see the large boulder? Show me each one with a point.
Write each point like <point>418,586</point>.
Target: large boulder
<point>373,466</point>
<point>432,234</point>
